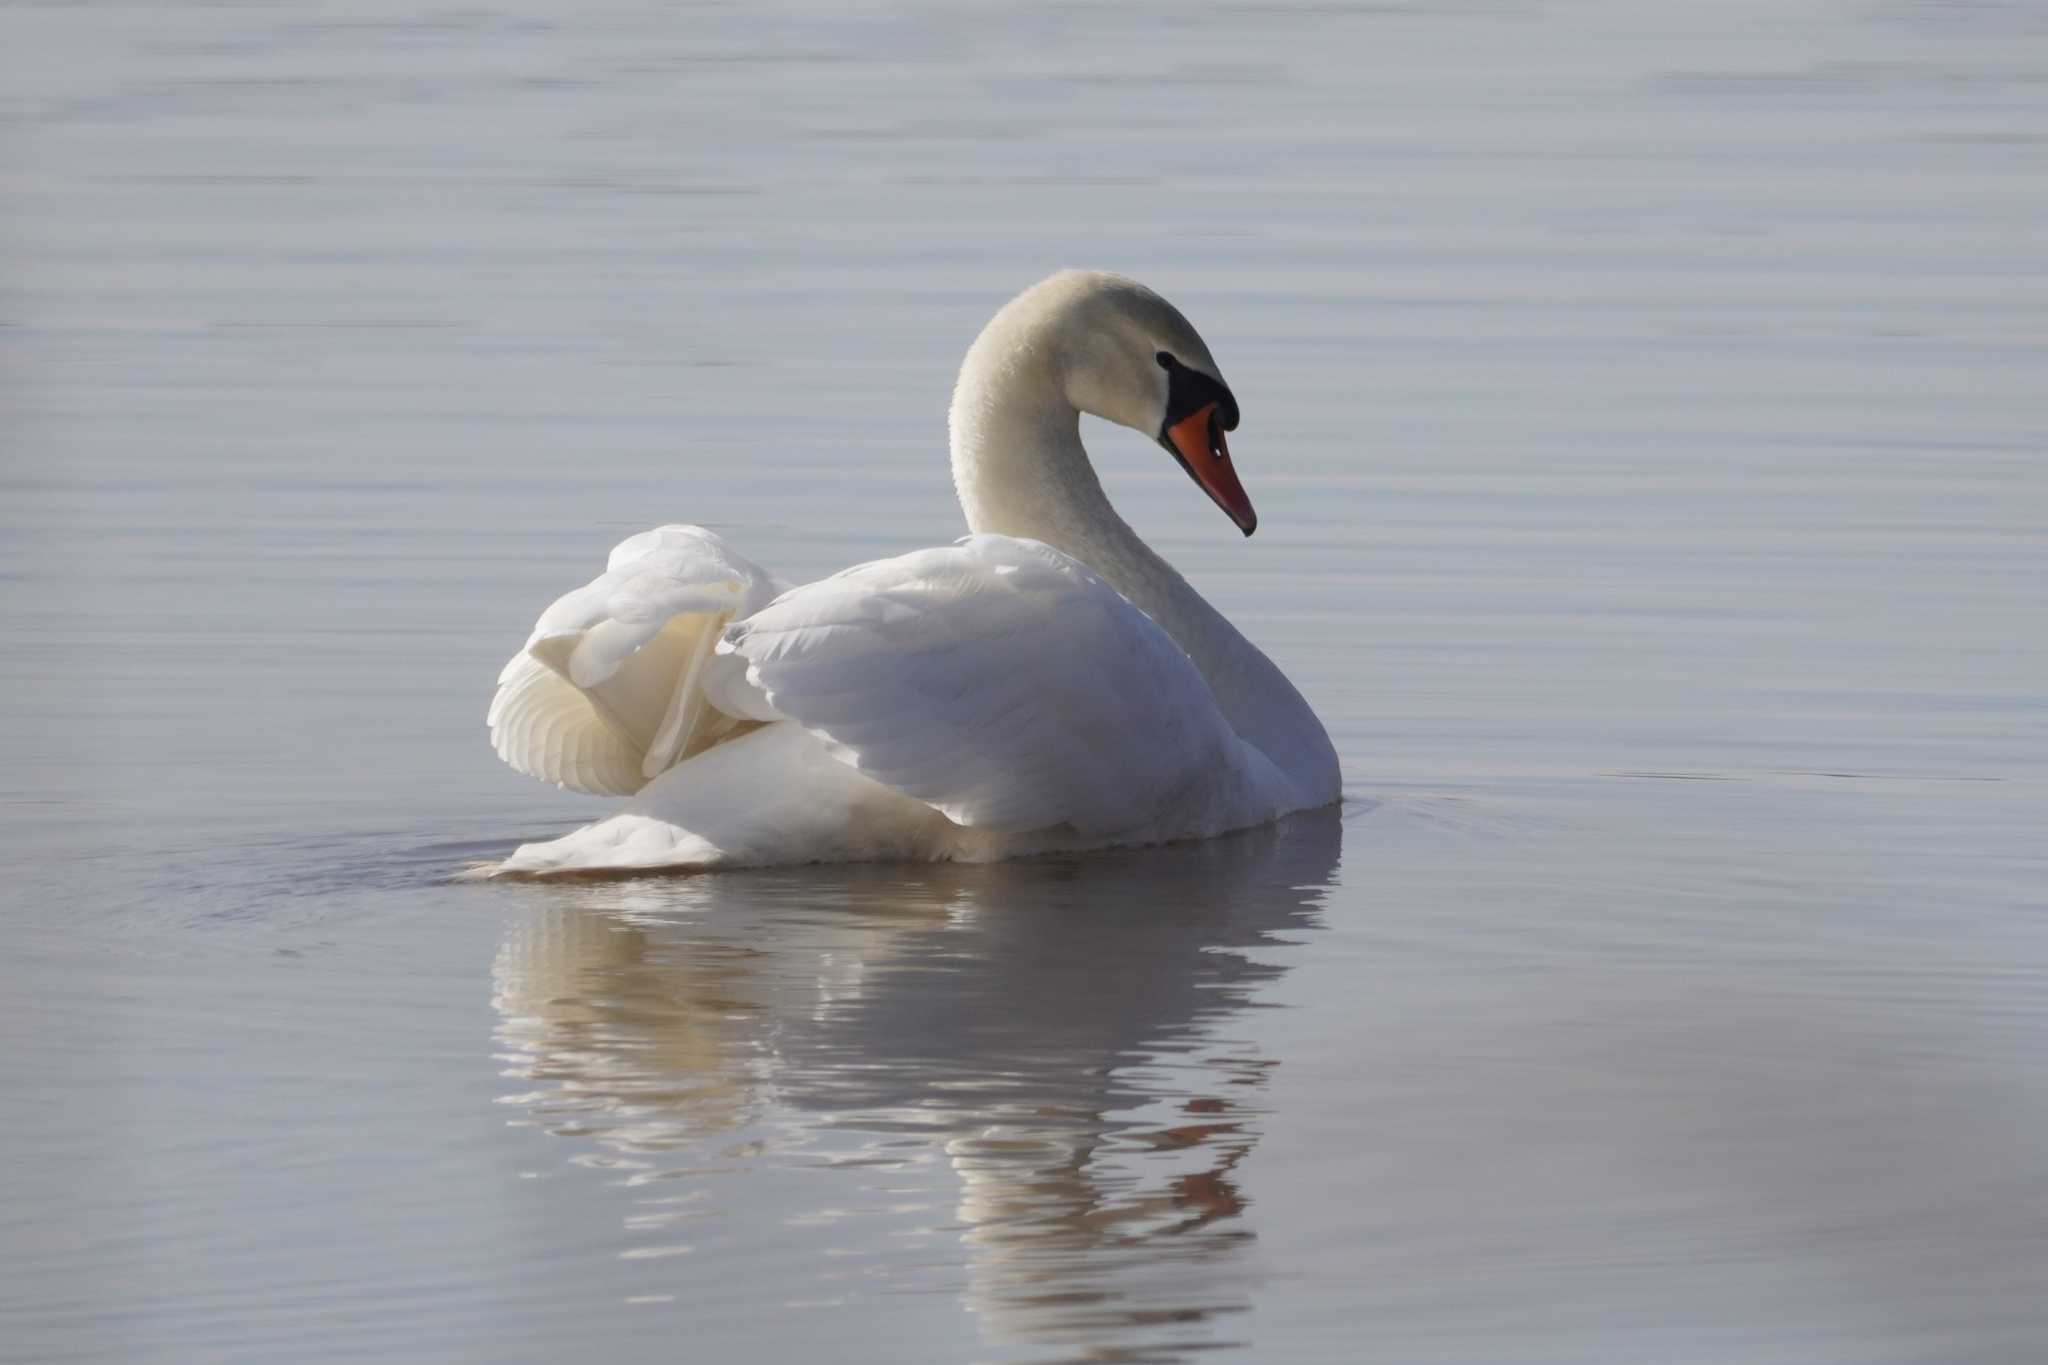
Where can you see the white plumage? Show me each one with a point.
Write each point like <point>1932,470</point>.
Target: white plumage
<point>999,682</point>
<point>610,689</point>
<point>1049,682</point>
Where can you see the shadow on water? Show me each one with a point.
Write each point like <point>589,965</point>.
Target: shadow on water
<point>1049,1040</point>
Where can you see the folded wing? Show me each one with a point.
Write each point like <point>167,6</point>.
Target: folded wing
<point>998,680</point>
<point>619,680</point>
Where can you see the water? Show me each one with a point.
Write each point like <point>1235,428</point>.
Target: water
<point>1643,405</point>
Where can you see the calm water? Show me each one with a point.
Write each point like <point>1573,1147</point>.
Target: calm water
<point>1645,409</point>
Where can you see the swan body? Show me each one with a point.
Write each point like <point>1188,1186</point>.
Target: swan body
<point>1046,683</point>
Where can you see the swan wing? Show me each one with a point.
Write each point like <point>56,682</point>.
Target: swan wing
<point>618,680</point>
<point>997,680</point>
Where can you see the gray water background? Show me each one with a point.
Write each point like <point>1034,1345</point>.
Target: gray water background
<point>1645,407</point>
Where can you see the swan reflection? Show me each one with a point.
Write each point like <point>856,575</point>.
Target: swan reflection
<point>1037,1061</point>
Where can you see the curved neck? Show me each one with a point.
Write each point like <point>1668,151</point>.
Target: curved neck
<point>1020,470</point>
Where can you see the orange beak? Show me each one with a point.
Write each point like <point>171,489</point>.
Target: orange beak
<point>1197,442</point>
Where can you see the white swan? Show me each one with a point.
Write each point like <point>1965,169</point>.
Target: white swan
<point>1048,682</point>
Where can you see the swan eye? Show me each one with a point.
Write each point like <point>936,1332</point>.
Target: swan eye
<point>1166,360</point>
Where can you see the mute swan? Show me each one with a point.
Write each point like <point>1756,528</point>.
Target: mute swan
<point>1047,682</point>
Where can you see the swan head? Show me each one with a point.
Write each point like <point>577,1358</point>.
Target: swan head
<point>1122,353</point>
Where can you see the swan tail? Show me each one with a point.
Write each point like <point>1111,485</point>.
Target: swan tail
<point>620,679</point>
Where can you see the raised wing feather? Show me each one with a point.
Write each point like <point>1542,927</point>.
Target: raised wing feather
<point>996,679</point>
<point>619,681</point>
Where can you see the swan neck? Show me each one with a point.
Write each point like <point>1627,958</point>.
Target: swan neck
<point>1020,470</point>
<point>1018,464</point>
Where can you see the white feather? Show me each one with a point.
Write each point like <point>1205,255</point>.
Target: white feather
<point>998,681</point>
<point>608,691</point>
<point>1050,683</point>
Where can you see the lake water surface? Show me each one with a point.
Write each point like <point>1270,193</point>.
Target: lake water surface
<point>1645,409</point>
